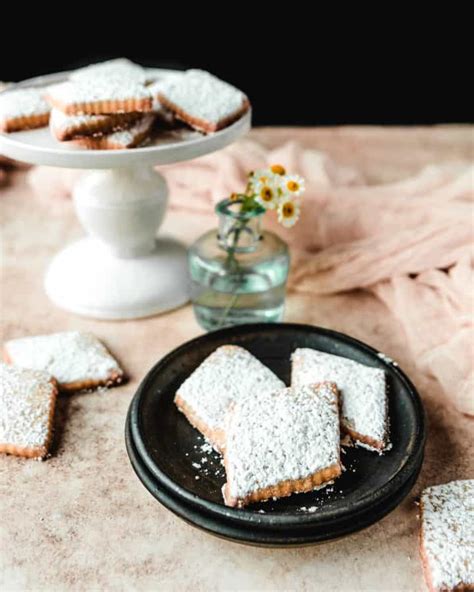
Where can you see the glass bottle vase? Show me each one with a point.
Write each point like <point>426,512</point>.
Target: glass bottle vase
<point>238,272</point>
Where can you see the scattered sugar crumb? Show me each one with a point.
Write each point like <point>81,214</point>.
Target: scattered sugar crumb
<point>197,477</point>
<point>387,359</point>
<point>196,465</point>
<point>371,448</point>
<point>206,447</point>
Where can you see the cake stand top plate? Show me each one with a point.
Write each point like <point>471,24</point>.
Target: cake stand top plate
<point>39,147</point>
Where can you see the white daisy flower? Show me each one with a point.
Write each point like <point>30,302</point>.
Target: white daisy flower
<point>261,176</point>
<point>288,212</point>
<point>267,194</point>
<point>293,185</point>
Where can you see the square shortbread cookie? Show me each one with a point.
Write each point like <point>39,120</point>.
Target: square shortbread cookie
<point>203,101</point>
<point>282,442</point>
<point>27,401</point>
<point>447,536</point>
<point>227,375</point>
<point>362,390</point>
<point>66,127</point>
<point>23,109</point>
<point>76,360</point>
<point>98,96</point>
<point>132,137</point>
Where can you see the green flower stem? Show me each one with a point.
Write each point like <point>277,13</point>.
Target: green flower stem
<point>227,309</point>
<point>231,262</point>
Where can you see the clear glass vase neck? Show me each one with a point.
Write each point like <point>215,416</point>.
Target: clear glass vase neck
<point>240,229</point>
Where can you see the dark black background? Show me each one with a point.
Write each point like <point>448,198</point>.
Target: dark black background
<point>304,86</point>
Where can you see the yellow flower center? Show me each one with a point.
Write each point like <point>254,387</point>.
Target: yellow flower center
<point>263,179</point>
<point>266,194</point>
<point>234,196</point>
<point>293,186</point>
<point>288,209</point>
<point>278,169</point>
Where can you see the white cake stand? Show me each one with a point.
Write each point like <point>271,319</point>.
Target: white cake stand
<point>121,270</point>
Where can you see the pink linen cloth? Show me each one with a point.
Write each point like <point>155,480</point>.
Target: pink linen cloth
<point>410,243</point>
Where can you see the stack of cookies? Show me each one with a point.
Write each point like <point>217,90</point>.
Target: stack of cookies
<point>115,105</point>
<point>277,440</point>
<point>103,106</point>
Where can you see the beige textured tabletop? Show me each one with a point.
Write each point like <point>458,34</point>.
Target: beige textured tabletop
<point>82,521</point>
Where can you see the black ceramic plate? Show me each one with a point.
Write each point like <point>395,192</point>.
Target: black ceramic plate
<point>250,534</point>
<point>168,446</point>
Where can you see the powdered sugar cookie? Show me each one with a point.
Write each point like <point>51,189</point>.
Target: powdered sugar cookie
<point>27,401</point>
<point>23,109</point>
<point>227,375</point>
<point>447,536</point>
<point>100,96</point>
<point>66,127</point>
<point>203,101</point>
<point>282,442</point>
<point>362,390</point>
<point>131,137</point>
<point>76,360</point>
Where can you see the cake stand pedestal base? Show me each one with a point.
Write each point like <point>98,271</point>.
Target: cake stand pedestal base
<point>121,270</point>
<point>87,279</point>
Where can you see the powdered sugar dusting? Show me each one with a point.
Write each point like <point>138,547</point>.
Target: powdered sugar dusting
<point>69,357</point>
<point>205,460</point>
<point>226,376</point>
<point>25,406</point>
<point>120,68</point>
<point>281,435</point>
<point>363,389</point>
<point>448,533</point>
<point>22,103</point>
<point>203,96</point>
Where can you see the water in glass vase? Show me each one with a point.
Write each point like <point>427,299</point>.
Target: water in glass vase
<point>238,272</point>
